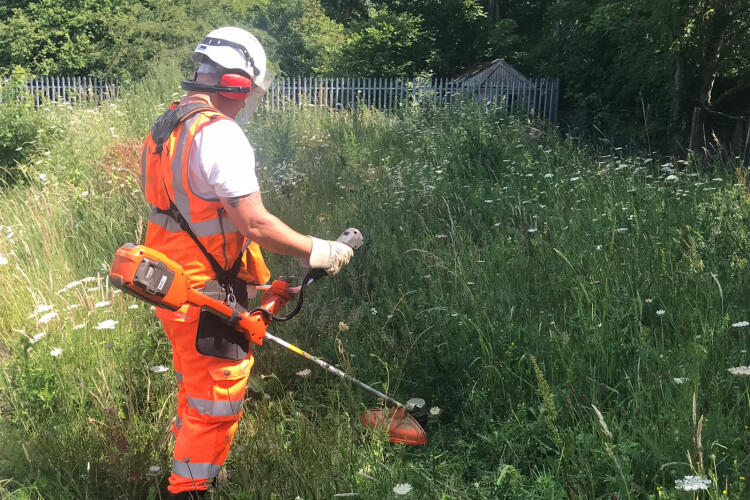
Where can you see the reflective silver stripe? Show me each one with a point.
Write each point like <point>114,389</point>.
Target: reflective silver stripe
<point>195,470</point>
<point>178,188</point>
<point>216,408</point>
<point>163,220</point>
<point>178,423</point>
<point>208,228</point>
<point>143,169</point>
<point>178,376</point>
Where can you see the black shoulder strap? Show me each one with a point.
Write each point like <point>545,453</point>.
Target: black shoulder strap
<point>166,123</point>
<point>160,132</point>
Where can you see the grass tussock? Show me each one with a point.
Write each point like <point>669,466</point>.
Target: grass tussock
<point>570,314</point>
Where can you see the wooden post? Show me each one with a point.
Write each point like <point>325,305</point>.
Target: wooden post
<point>695,128</point>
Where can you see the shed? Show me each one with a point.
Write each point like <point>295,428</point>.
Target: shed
<point>492,74</point>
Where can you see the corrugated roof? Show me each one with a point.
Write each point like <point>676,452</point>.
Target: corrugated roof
<point>489,68</point>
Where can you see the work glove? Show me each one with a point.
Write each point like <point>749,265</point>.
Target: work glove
<point>329,256</point>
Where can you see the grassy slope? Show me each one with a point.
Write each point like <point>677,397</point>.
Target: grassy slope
<point>494,283</point>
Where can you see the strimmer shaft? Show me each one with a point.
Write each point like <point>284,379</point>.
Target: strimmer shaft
<point>332,369</point>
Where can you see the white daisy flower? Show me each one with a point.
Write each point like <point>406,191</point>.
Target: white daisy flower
<point>402,489</point>
<point>158,369</point>
<point>304,373</point>
<point>740,324</point>
<point>107,324</point>
<point>103,303</point>
<point>55,352</point>
<point>692,483</point>
<point>435,411</point>
<point>661,312</point>
<point>680,380</point>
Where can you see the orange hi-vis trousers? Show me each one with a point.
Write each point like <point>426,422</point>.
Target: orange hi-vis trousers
<point>209,405</point>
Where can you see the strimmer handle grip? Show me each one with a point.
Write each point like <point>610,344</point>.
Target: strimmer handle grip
<point>351,237</point>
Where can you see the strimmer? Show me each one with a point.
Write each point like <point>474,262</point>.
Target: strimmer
<point>151,276</point>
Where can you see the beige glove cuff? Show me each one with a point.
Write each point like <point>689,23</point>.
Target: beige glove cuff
<point>320,256</point>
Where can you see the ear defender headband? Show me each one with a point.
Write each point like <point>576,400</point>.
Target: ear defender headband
<point>231,85</point>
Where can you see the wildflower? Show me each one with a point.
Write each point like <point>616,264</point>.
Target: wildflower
<point>488,201</point>
<point>343,326</point>
<point>108,324</point>
<point>739,370</point>
<point>103,303</point>
<point>435,411</point>
<point>660,312</point>
<point>441,236</point>
<point>671,178</point>
<point>373,311</point>
<point>78,327</point>
<point>84,194</point>
<point>533,230</point>
<point>133,306</point>
<point>55,352</point>
<point>740,324</point>
<point>43,177</point>
<point>621,230</point>
<point>154,469</point>
<point>158,369</point>
<point>3,260</point>
<point>549,176</point>
<point>39,310</point>
<point>70,285</point>
<point>72,306</point>
<point>402,489</point>
<point>47,317</point>
<point>598,247</point>
<point>680,380</point>
<point>304,373</point>
<point>648,301</point>
<point>36,338</point>
<point>692,483</point>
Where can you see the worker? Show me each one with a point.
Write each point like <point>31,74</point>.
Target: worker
<point>198,174</point>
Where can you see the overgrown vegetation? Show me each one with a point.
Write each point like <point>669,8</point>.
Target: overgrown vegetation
<point>572,313</point>
<point>615,58</point>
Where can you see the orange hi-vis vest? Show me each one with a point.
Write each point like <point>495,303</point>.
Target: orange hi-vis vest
<point>164,180</point>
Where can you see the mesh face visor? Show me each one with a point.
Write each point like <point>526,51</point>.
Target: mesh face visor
<point>253,99</point>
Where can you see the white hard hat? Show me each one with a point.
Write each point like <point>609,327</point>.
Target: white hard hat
<point>237,50</point>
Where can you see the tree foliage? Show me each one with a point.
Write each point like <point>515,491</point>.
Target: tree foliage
<point>609,54</point>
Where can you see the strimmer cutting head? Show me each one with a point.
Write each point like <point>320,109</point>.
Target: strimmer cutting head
<point>398,422</point>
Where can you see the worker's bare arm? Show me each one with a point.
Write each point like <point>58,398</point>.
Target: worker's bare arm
<point>251,218</point>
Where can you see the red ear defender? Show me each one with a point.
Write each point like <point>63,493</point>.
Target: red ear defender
<point>235,80</point>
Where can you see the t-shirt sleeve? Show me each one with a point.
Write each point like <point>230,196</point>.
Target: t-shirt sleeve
<point>227,160</point>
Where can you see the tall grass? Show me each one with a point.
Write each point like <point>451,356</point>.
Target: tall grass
<point>568,310</point>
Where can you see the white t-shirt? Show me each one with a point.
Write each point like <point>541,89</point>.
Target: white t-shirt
<point>222,162</point>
